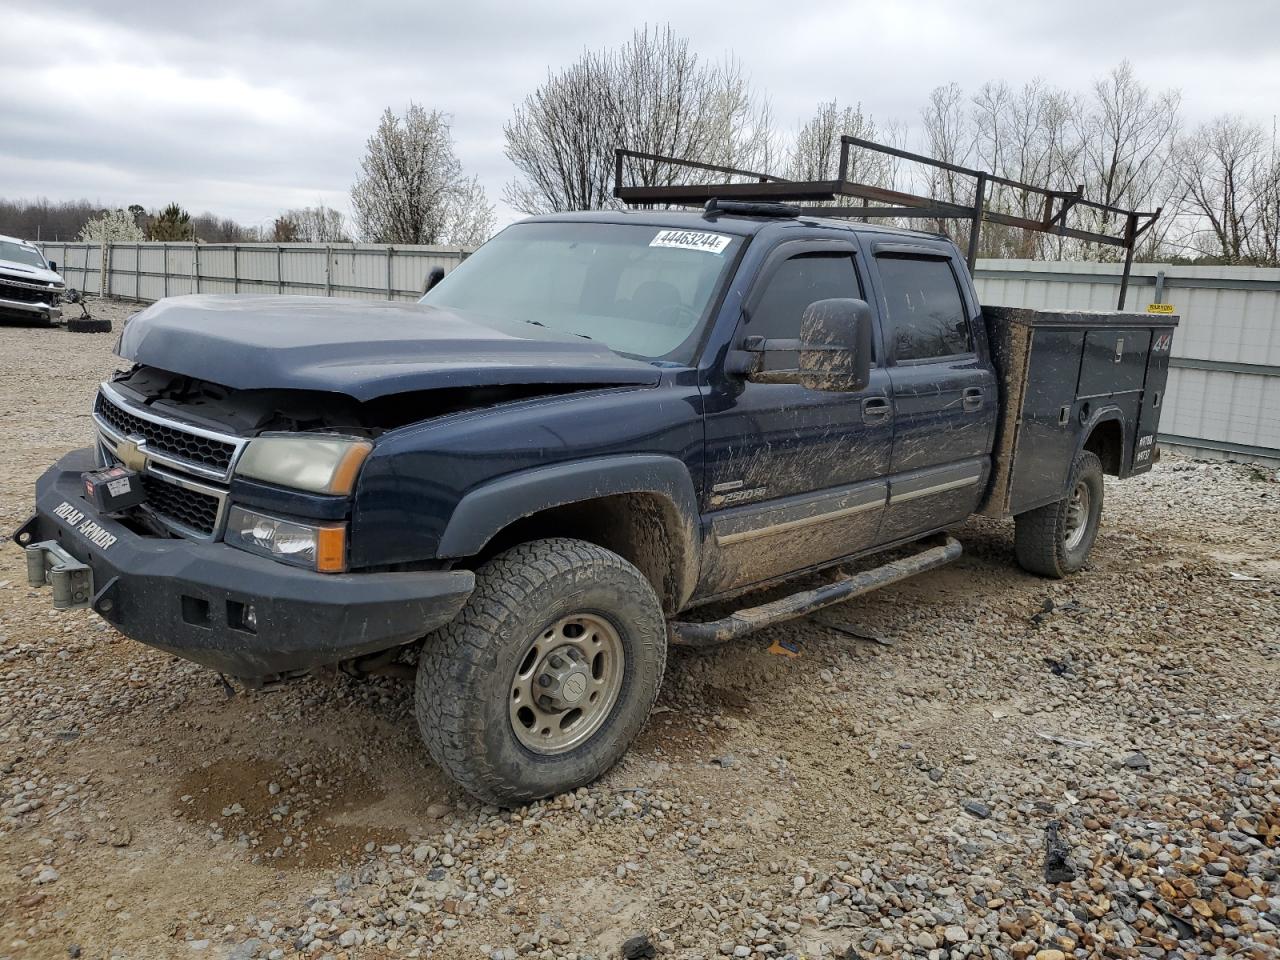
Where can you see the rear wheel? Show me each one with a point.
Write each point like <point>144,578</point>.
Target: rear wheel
<point>547,674</point>
<point>1056,539</point>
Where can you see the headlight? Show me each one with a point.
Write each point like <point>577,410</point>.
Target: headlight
<point>321,547</point>
<point>318,464</point>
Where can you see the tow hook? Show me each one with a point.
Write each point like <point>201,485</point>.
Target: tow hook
<point>71,580</point>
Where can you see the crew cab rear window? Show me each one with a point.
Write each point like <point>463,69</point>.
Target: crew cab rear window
<point>924,310</point>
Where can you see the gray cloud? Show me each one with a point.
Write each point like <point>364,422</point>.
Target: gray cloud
<point>245,108</point>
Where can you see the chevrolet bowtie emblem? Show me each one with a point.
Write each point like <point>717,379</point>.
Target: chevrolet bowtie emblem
<point>127,452</point>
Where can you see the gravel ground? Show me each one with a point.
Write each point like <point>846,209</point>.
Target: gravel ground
<point>864,798</point>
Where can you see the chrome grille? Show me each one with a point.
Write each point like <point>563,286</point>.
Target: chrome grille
<point>168,438</point>
<point>186,469</point>
<point>179,505</point>
<point>11,289</point>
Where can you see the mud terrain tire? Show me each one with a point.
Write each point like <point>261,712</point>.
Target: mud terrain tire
<point>1055,540</point>
<point>468,694</point>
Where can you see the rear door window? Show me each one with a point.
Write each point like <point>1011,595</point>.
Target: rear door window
<point>924,309</point>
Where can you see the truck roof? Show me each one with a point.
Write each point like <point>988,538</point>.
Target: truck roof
<point>724,222</point>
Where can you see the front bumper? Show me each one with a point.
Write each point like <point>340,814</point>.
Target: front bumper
<point>43,310</point>
<point>188,598</point>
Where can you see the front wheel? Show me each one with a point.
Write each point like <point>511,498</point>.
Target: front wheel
<point>546,675</point>
<point>1055,540</point>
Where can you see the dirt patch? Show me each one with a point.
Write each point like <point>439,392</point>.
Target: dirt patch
<point>289,817</point>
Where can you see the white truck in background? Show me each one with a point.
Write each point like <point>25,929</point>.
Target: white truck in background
<point>30,286</point>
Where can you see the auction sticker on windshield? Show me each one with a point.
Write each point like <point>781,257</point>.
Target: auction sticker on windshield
<point>691,240</point>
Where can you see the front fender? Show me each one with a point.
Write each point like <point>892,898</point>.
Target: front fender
<point>487,510</point>
<point>521,457</point>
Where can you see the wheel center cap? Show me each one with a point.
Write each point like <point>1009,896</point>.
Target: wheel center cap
<point>575,685</point>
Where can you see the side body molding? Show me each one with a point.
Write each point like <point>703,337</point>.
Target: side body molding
<point>486,510</point>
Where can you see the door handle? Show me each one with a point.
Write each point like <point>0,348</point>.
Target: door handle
<point>972,398</point>
<point>876,410</point>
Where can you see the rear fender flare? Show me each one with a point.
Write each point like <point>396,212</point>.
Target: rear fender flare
<point>1096,418</point>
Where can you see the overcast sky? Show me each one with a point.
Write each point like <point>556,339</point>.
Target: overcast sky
<point>247,108</point>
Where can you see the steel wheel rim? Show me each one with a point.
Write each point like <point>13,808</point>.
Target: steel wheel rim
<point>566,684</point>
<point>1077,521</point>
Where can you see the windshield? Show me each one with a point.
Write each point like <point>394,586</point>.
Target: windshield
<point>21,253</point>
<point>641,290</point>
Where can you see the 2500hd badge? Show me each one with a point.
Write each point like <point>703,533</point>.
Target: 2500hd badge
<point>86,528</point>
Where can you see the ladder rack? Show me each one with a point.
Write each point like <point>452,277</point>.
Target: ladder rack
<point>882,202</point>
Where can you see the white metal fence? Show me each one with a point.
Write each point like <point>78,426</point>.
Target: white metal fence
<point>1224,378</point>
<point>150,271</point>
<point>1224,382</point>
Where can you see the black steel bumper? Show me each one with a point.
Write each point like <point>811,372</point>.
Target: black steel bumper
<point>189,598</point>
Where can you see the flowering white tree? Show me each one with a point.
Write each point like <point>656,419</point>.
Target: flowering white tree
<point>112,226</point>
<point>412,188</point>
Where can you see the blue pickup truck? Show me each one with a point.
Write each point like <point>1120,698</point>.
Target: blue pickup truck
<point>539,475</point>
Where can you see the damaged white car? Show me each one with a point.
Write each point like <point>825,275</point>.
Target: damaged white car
<point>30,286</point>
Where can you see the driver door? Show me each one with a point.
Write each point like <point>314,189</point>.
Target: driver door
<point>794,477</point>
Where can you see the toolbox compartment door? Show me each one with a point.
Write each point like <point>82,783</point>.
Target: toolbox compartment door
<point>1144,443</point>
<point>1115,361</point>
<point>1048,432</point>
<point>1059,371</point>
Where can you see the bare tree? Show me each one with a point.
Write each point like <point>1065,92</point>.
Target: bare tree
<point>1025,135</point>
<point>1265,239</point>
<point>1126,133</point>
<point>318,224</point>
<point>412,188</point>
<point>949,138</point>
<point>1229,175</point>
<point>1115,142</point>
<point>214,229</point>
<point>653,95</point>
<point>815,152</point>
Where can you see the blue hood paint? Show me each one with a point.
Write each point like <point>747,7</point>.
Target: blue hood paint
<point>361,348</point>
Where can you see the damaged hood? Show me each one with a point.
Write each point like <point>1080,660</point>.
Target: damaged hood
<point>26,273</point>
<point>364,349</point>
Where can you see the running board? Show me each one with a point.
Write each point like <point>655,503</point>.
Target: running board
<point>739,624</point>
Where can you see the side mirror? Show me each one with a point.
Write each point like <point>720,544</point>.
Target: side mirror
<point>53,265</point>
<point>835,345</point>
<point>434,276</point>
<point>834,349</point>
